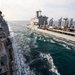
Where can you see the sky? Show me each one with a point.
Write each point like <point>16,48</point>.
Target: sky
<point>25,9</point>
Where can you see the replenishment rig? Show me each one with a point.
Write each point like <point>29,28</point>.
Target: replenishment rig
<point>64,30</point>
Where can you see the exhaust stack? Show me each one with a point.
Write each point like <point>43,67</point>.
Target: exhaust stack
<point>38,13</point>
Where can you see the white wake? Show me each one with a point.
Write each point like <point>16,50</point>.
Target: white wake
<point>53,68</point>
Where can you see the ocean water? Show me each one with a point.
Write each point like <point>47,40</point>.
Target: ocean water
<point>42,55</point>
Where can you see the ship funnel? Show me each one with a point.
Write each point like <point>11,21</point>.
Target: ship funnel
<point>38,13</point>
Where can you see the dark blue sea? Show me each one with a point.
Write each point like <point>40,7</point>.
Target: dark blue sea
<point>38,54</point>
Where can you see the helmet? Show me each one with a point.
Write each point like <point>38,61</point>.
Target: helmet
<point>0,12</point>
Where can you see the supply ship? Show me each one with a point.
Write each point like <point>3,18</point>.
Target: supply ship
<point>40,24</point>
<point>7,56</point>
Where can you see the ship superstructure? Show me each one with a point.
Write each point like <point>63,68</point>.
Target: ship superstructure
<point>41,23</point>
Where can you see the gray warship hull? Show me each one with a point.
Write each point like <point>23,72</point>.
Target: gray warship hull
<point>7,56</point>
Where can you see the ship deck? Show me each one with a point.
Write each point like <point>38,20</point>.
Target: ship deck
<point>64,32</point>
<point>54,32</point>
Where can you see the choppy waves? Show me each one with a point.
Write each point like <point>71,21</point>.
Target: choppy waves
<point>53,68</point>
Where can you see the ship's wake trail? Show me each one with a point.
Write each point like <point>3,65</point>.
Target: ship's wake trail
<point>44,65</point>
<point>24,69</point>
<point>41,62</point>
<point>20,66</point>
<point>69,45</point>
<point>63,42</point>
<point>52,67</point>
